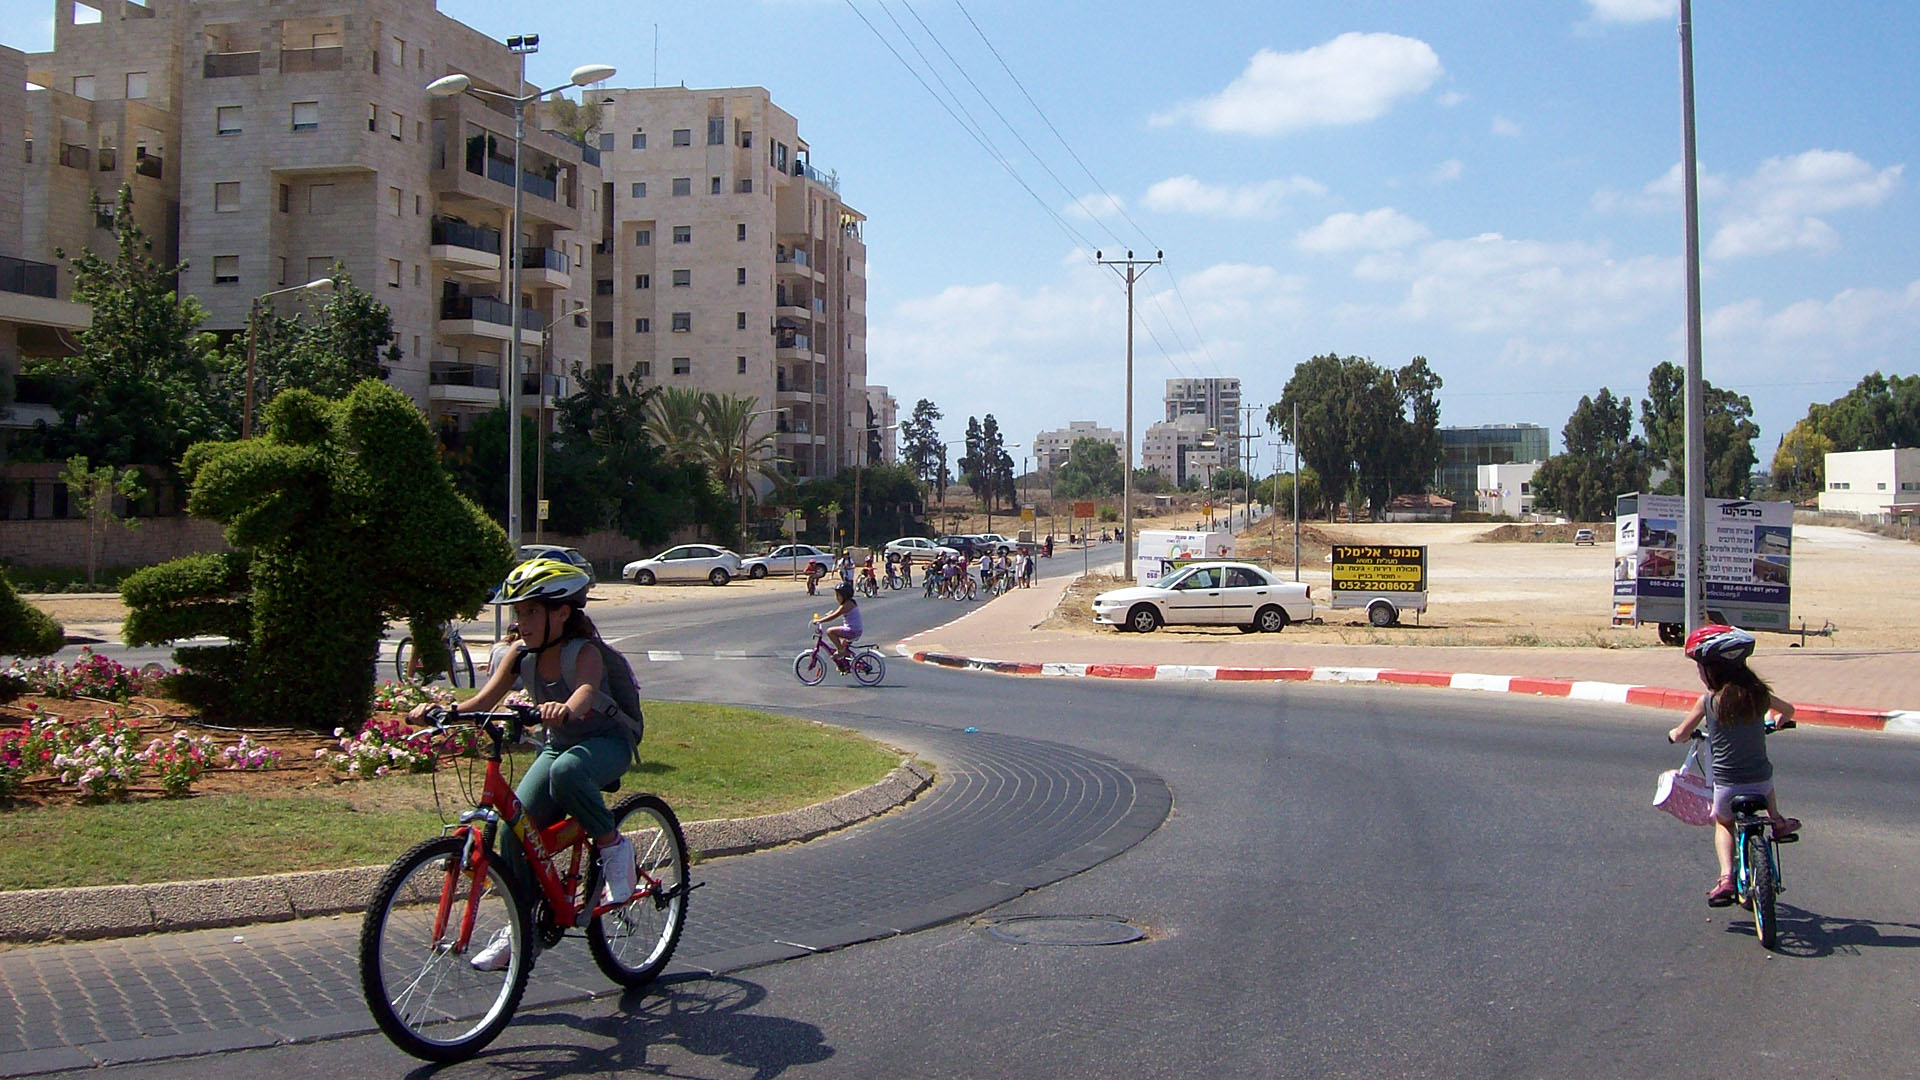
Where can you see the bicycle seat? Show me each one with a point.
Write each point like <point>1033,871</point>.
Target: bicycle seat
<point>1750,804</point>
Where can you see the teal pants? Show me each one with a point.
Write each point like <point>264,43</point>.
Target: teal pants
<point>567,783</point>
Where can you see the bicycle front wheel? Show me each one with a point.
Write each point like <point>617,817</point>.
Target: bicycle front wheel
<point>1759,860</point>
<point>868,668</point>
<point>402,654</point>
<point>632,944</point>
<point>462,664</point>
<point>809,668</point>
<point>428,998</point>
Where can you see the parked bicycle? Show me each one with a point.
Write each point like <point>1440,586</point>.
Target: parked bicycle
<point>1757,882</point>
<point>454,894</point>
<point>406,666</point>
<point>864,662</point>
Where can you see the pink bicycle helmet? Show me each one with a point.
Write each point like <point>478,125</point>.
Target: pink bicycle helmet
<point>1717,642</point>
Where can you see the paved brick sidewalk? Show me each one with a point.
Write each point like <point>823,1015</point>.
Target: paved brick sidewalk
<point>1006,816</point>
<point>1820,674</point>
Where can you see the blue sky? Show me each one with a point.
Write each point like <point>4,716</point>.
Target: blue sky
<point>1493,186</point>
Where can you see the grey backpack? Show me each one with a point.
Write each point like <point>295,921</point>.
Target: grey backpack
<point>622,688</point>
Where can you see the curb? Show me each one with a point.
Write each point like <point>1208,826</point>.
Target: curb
<point>1898,721</point>
<point>99,911</point>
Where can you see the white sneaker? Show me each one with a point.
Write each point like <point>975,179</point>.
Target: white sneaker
<point>616,868</point>
<point>498,954</point>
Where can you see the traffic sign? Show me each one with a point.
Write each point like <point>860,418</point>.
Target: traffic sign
<point>1083,510</point>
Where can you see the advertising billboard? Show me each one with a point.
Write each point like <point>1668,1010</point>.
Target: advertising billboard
<point>1749,561</point>
<point>1379,568</point>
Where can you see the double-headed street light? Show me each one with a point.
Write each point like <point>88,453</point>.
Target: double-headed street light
<point>453,86</point>
<point>324,284</point>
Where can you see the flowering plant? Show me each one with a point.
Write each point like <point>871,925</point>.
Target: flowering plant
<point>249,756</point>
<point>381,748</point>
<point>401,696</point>
<point>13,760</point>
<point>179,761</point>
<point>103,766</point>
<point>91,675</point>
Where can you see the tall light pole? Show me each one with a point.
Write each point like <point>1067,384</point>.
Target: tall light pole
<point>866,437</point>
<point>324,284</point>
<point>453,86</point>
<point>1695,403</point>
<point>540,457</point>
<point>746,428</point>
<point>1130,270</point>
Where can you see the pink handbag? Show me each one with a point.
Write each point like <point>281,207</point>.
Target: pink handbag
<point>1685,792</point>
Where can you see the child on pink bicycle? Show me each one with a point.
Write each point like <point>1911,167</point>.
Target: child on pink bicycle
<point>848,632</point>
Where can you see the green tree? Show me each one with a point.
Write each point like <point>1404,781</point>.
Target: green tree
<point>349,339</point>
<point>1092,468</point>
<point>920,445</point>
<point>577,120</point>
<point>1603,459</point>
<point>139,391</point>
<point>1726,424</point>
<point>1147,481</point>
<point>25,630</point>
<point>1800,463</point>
<point>973,459</point>
<point>1277,492</point>
<point>610,472</point>
<point>1881,413</point>
<point>94,491</point>
<point>1229,479</point>
<point>676,422</point>
<point>1363,429</point>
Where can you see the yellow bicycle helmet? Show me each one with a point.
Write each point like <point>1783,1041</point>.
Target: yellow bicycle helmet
<point>548,580</point>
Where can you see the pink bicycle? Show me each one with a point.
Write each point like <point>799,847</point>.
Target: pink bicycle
<point>864,662</point>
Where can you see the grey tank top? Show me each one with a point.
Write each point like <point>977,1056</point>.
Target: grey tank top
<point>599,724</point>
<point>1739,750</point>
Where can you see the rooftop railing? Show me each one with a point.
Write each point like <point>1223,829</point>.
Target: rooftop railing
<point>229,65</point>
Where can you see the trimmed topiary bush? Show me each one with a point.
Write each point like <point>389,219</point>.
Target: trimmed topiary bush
<point>25,630</point>
<point>342,518</point>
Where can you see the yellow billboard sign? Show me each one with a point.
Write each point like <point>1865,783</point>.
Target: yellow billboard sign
<point>1379,568</point>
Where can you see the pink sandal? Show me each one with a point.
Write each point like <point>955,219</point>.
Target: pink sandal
<point>1722,893</point>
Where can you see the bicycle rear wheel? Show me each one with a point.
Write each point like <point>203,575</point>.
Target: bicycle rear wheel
<point>428,998</point>
<point>402,654</point>
<point>462,664</point>
<point>1759,860</point>
<point>809,668</point>
<point>633,944</point>
<point>868,667</point>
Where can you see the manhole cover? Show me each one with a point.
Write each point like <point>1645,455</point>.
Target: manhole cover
<point>1065,930</point>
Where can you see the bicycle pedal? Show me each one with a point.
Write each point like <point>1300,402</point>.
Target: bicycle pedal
<point>1791,838</point>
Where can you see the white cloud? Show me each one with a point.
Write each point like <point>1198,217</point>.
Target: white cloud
<point>1446,172</point>
<point>1776,208</point>
<point>1505,127</point>
<point>1349,80</point>
<point>1490,284</point>
<point>1095,206</point>
<point>1451,98</point>
<point>1663,193</point>
<point>1375,230</point>
<point>1187,195</point>
<point>1632,10</point>
<point>1850,322</point>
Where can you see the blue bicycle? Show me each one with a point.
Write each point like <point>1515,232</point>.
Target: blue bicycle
<point>1756,858</point>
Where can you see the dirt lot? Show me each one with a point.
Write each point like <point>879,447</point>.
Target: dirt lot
<point>1547,592</point>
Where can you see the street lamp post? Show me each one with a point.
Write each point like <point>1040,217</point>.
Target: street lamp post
<point>1130,270</point>
<point>540,456</point>
<point>324,284</point>
<point>746,426</point>
<point>453,86</point>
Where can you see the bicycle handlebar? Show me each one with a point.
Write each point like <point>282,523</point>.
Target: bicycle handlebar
<point>515,718</point>
<point>1772,727</point>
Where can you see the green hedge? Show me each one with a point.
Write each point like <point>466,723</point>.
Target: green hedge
<point>25,630</point>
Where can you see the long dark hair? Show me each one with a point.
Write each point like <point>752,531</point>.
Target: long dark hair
<point>1741,696</point>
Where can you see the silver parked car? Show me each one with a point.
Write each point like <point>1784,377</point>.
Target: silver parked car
<point>785,559</point>
<point>1208,594</point>
<point>688,562</point>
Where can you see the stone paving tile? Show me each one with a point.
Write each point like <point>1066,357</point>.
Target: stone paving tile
<point>1007,814</point>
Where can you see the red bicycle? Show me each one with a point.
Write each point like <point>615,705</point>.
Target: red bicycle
<point>445,904</point>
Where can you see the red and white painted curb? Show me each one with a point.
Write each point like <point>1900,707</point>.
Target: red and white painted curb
<point>1900,721</point>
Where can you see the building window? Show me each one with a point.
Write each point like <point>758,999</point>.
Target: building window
<point>639,140</point>
<point>286,198</point>
<point>739,275</point>
<point>416,211</point>
<point>396,127</point>
<point>398,200</point>
<point>739,320</point>
<point>1881,486</point>
<point>393,273</point>
<point>606,142</point>
<point>397,52</point>
<point>281,262</point>
<point>740,230</point>
<point>226,269</point>
<point>419,131</point>
<point>226,120</point>
<point>643,326</point>
<point>683,136</point>
<point>713,185</point>
<point>746,185</point>
<point>603,287</point>
<point>306,116</point>
<point>644,369</point>
<point>683,185</point>
<point>682,322</point>
<point>226,197</point>
<point>739,365</point>
<point>320,199</point>
<point>373,116</point>
<point>643,238</point>
<point>640,190</point>
<point>683,365</point>
<point>136,85</point>
<point>683,234</point>
<point>416,284</point>
<point>682,278</point>
<point>83,87</point>
<point>716,130</point>
<point>746,140</point>
<point>603,329</point>
<point>643,281</point>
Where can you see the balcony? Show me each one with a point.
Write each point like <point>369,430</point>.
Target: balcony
<point>301,61</point>
<point>545,268</point>
<point>802,169</point>
<point>487,318</point>
<point>76,157</point>
<point>464,384</point>
<point>150,165</point>
<point>28,278</point>
<point>467,251</point>
<point>29,296</point>
<point>230,65</point>
<point>791,346</point>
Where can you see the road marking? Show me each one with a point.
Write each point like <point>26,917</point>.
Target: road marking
<point>1346,674</point>
<point>664,654</point>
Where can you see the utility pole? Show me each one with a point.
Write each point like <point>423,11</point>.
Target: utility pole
<point>1296,491</point>
<point>1695,399</point>
<point>1130,270</point>
<point>1246,471</point>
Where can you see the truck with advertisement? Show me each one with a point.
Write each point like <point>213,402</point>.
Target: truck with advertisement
<point>1749,559</point>
<point>1159,552</point>
<point>1385,579</point>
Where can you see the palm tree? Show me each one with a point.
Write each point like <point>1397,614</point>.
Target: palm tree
<point>729,444</point>
<point>676,419</point>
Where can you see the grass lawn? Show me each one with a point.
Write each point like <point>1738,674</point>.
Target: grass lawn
<point>707,761</point>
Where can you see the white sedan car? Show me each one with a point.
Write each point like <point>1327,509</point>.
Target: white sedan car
<point>1208,594</point>
<point>922,548</point>
<point>688,562</point>
<point>785,559</point>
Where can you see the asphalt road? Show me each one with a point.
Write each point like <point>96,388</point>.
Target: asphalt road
<point>1356,881</point>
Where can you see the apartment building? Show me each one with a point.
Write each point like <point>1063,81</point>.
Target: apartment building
<point>1050,448</point>
<point>729,263</point>
<point>268,140</point>
<point>1217,400</point>
<point>883,412</point>
<point>1185,446</point>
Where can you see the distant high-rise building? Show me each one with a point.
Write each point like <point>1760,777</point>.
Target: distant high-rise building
<point>1217,400</point>
<point>883,409</point>
<point>1183,447</point>
<point>1050,448</point>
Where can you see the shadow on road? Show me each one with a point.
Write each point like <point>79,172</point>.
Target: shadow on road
<point>1812,936</point>
<point>706,1017</point>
